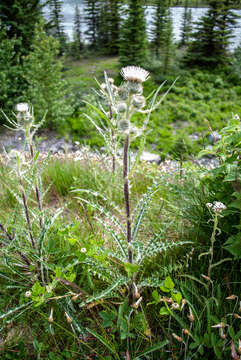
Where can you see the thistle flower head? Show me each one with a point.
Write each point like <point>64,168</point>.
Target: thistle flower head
<point>22,107</point>
<point>134,73</point>
<point>121,107</point>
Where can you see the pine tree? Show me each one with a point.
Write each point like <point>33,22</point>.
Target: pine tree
<point>56,23</point>
<point>133,43</point>
<point>77,45</point>
<point>211,40</point>
<point>168,47</point>
<point>47,91</point>
<point>158,26</point>
<point>91,11</point>
<point>186,28</point>
<point>114,26</point>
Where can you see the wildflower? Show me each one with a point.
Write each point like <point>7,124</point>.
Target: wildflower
<point>184,301</point>
<point>22,107</point>
<point>28,294</point>
<point>223,336</point>
<point>206,277</point>
<point>83,250</point>
<point>187,332</point>
<point>51,319</point>
<point>68,318</point>
<point>237,316</point>
<point>191,316</point>
<point>134,73</point>
<point>231,297</point>
<point>178,338</point>
<point>175,306</point>
<point>219,326</point>
<point>137,303</point>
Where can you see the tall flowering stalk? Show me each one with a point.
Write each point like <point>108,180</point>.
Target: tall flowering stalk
<point>115,124</point>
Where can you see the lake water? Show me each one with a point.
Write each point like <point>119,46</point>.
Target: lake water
<point>177,15</point>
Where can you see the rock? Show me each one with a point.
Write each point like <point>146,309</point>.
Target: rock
<point>150,157</point>
<point>214,137</point>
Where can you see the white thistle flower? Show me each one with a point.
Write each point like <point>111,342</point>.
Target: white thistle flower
<point>22,107</point>
<point>134,73</point>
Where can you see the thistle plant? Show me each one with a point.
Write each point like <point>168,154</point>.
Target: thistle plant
<point>119,105</point>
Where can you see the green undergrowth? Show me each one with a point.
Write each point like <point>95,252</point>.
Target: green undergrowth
<point>197,97</point>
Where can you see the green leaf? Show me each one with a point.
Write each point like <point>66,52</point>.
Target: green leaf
<point>168,285</point>
<point>37,289</point>
<point>131,268</point>
<point>107,344</point>
<point>177,297</point>
<point>152,349</point>
<point>164,311</point>
<point>156,296</point>
<point>72,241</point>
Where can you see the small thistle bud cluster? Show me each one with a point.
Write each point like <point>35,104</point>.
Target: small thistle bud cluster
<point>216,206</point>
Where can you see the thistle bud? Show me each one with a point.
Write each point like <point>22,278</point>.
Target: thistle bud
<point>68,318</point>
<point>51,319</point>
<point>123,93</point>
<point>123,125</point>
<point>121,107</point>
<point>139,101</point>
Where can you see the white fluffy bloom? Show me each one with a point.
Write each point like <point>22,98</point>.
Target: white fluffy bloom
<point>83,250</point>
<point>134,73</point>
<point>22,107</point>
<point>216,206</point>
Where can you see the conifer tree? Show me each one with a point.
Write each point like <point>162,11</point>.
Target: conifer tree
<point>91,15</point>
<point>77,46</point>
<point>158,26</point>
<point>212,37</point>
<point>114,26</point>
<point>56,23</point>
<point>133,43</point>
<point>47,90</point>
<point>168,47</point>
<point>18,18</point>
<point>186,28</point>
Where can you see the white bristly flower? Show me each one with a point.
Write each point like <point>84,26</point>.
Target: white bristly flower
<point>83,250</point>
<point>22,107</point>
<point>134,73</point>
